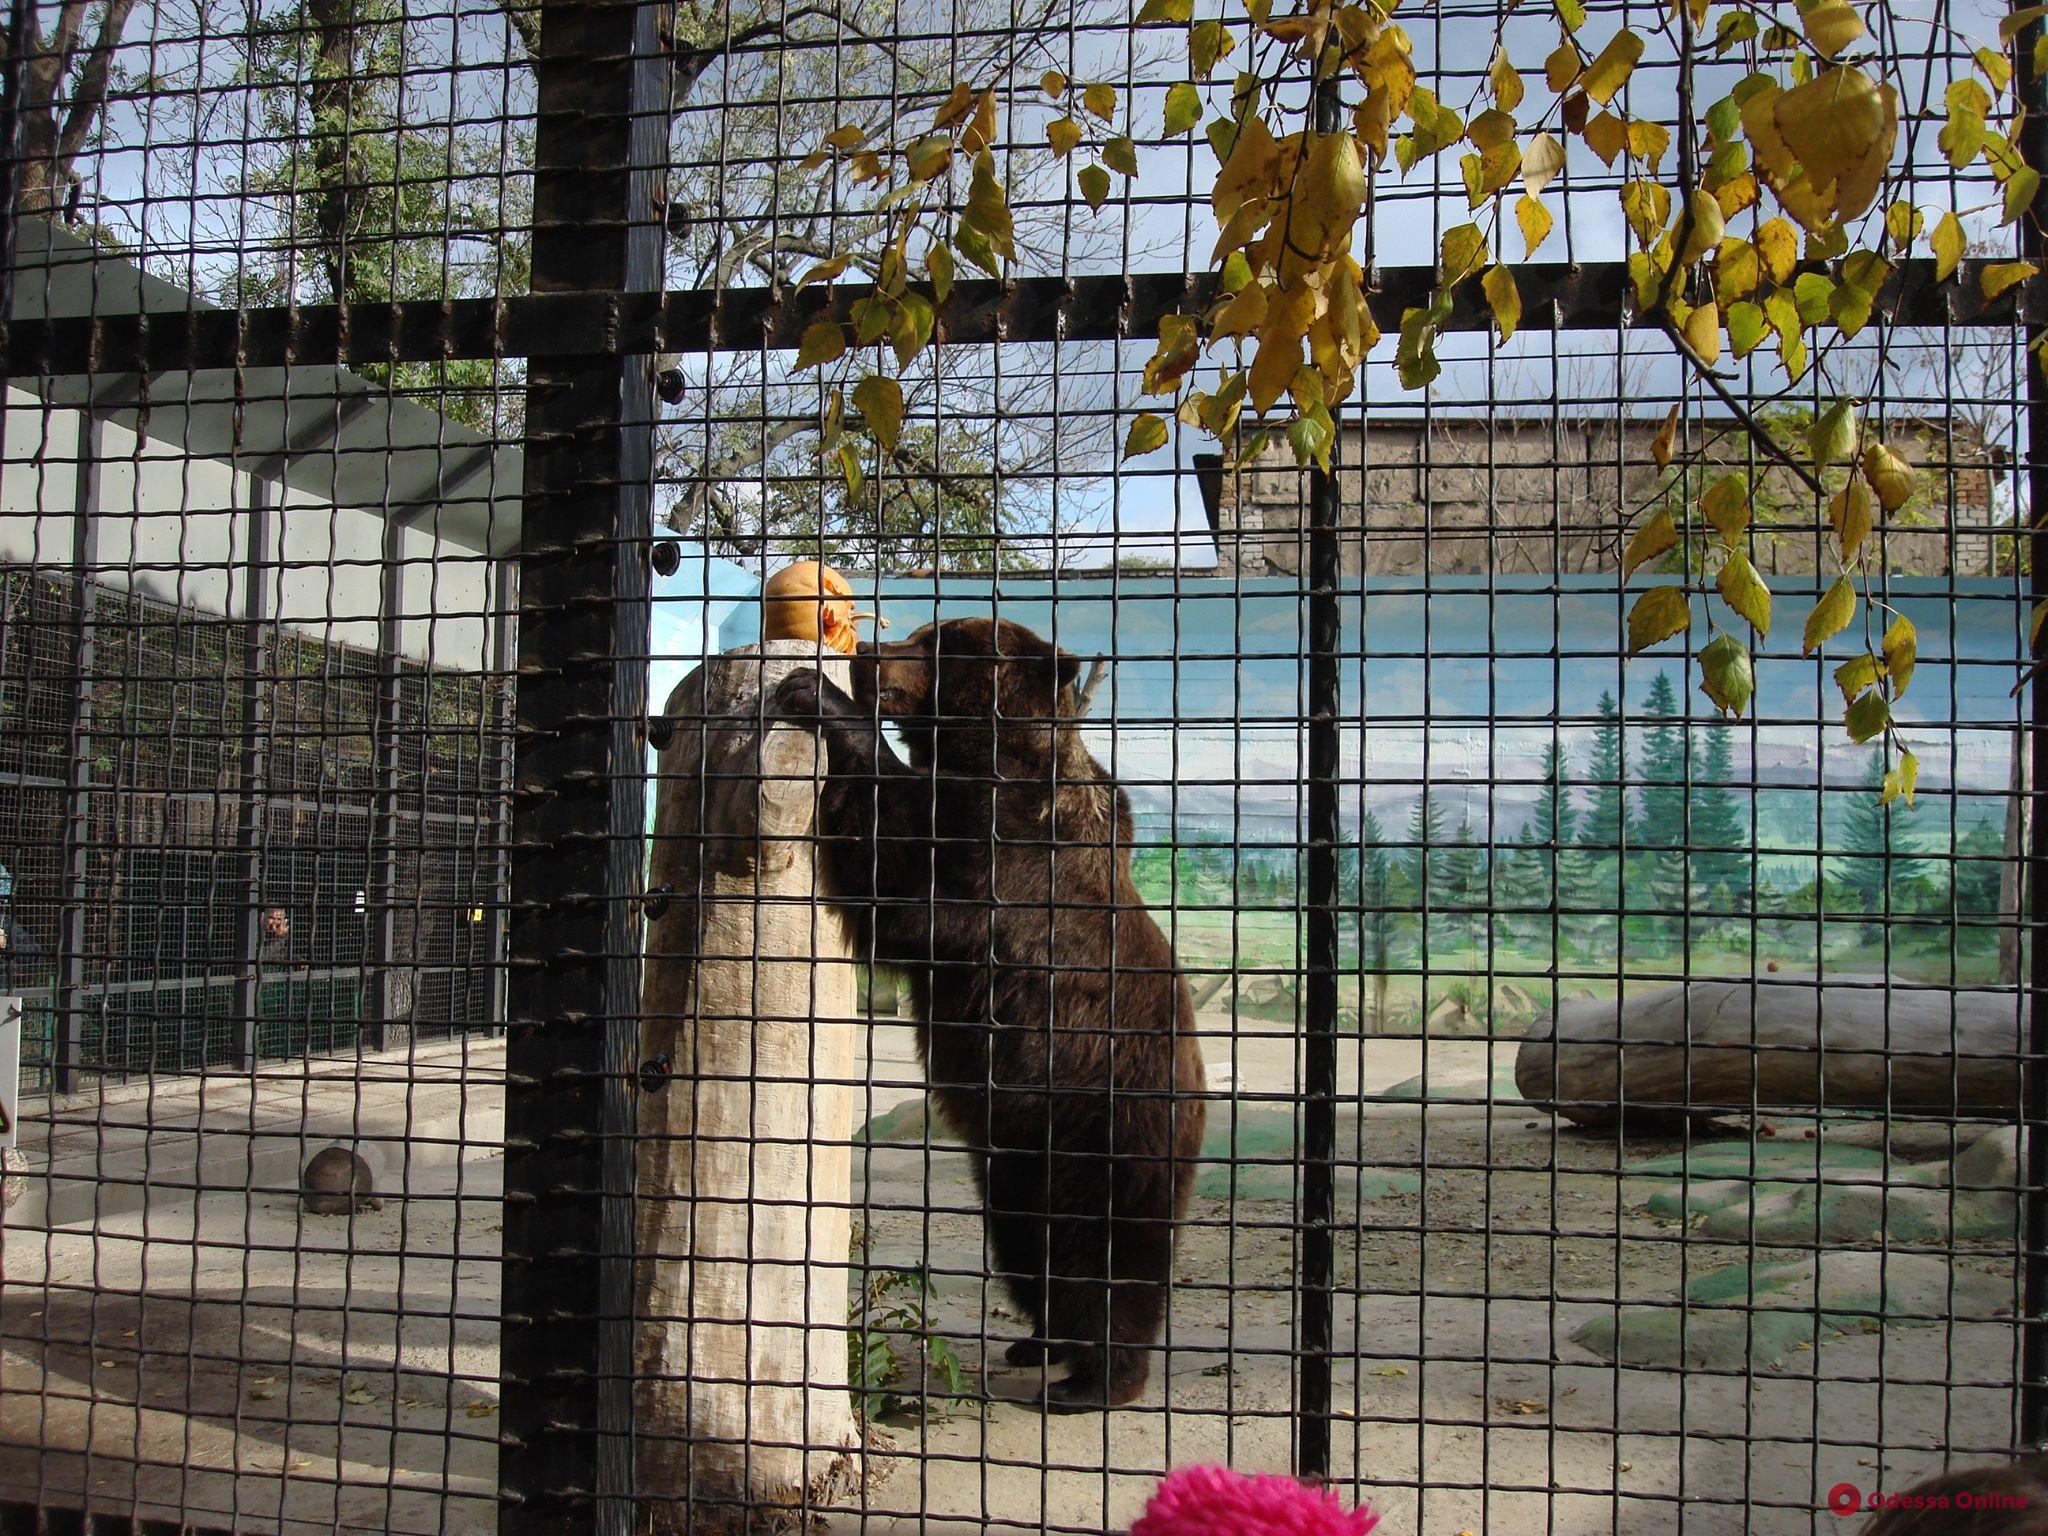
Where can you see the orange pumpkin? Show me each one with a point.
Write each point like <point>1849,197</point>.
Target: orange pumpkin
<point>810,601</point>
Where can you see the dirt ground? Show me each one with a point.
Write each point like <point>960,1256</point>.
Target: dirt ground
<point>231,1361</point>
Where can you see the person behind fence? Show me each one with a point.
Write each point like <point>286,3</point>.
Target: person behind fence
<point>1059,1035</point>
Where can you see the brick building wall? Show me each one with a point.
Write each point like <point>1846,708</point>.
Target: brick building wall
<point>1468,495</point>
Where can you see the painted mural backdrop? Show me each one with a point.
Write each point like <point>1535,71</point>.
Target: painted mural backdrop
<point>1524,813</point>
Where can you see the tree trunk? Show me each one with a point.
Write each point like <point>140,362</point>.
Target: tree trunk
<point>745,1157</point>
<point>1780,1042</point>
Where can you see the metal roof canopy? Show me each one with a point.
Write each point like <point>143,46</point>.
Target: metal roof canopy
<point>319,429</point>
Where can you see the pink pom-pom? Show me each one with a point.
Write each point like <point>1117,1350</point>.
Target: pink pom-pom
<point>1215,1501</point>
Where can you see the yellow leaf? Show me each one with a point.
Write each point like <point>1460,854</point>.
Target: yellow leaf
<point>1657,615</point>
<point>1830,616</point>
<point>1535,221</point>
<point>1660,446</point>
<point>1850,514</point>
<point>1903,223</point>
<point>1121,154</point>
<point>1328,194</point>
<point>1949,245</point>
<point>1612,66</point>
<point>1704,232</point>
<point>1062,133</point>
<point>1248,173</point>
<point>1464,252</point>
<point>1889,475</point>
<point>1506,82</point>
<point>1244,314</point>
<point>1541,162</point>
<point>1727,675</point>
<point>954,109</point>
<point>1654,538</point>
<point>1743,590</point>
<point>1648,207</point>
<point>1834,433</point>
<point>1504,298</point>
<point>1736,194</point>
<point>2001,275</point>
<point>928,156</point>
<point>1857,674</point>
<point>1726,506</point>
<point>980,134</point>
<point>1561,68</point>
<point>1832,26</point>
<point>1647,141</point>
<point>880,402</point>
<point>1777,242</point>
<point>1747,327</point>
<point>1841,127</point>
<point>1902,780</point>
<point>1867,717</point>
<point>824,272</point>
<point>823,342</point>
<point>2013,23</point>
<point>1183,108</point>
<point>1094,183</point>
<point>1147,433</point>
<point>1737,269</point>
<point>1901,646</point>
<point>1274,368</point>
<point>1053,83</point>
<point>1703,332</point>
<point>988,209</point>
<point>1099,99</point>
<point>1606,136</point>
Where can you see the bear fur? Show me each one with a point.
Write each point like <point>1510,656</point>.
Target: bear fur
<point>1058,1034</point>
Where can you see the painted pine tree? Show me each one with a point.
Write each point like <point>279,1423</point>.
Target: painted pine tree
<point>1375,901</point>
<point>1606,828</point>
<point>1720,829</point>
<point>1869,852</point>
<point>1656,865</point>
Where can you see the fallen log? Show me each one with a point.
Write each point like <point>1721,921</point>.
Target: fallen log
<point>1776,1042</point>
<point>745,1121</point>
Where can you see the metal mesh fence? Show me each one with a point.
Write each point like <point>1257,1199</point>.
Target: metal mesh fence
<point>1242,966</point>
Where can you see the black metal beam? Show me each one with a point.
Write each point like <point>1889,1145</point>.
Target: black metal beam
<point>578,792</point>
<point>1321,570</point>
<point>1594,296</point>
<point>2033,146</point>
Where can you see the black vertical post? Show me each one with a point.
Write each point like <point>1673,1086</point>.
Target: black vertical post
<point>68,1056</point>
<point>13,74</point>
<point>2034,1261</point>
<point>578,792</point>
<point>255,770</point>
<point>1319,1055</point>
<point>498,757</point>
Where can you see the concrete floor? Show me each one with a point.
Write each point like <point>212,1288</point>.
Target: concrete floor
<point>194,1350</point>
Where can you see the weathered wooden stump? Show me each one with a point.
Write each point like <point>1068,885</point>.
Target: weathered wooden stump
<point>745,1155</point>
<point>1781,1042</point>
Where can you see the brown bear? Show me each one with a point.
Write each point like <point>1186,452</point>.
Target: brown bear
<point>1058,1034</point>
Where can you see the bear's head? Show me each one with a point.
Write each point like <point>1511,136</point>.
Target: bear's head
<point>966,690</point>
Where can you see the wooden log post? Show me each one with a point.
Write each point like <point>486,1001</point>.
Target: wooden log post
<point>1781,1042</point>
<point>745,1152</point>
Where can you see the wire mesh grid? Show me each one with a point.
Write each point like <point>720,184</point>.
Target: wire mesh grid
<point>1305,999</point>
